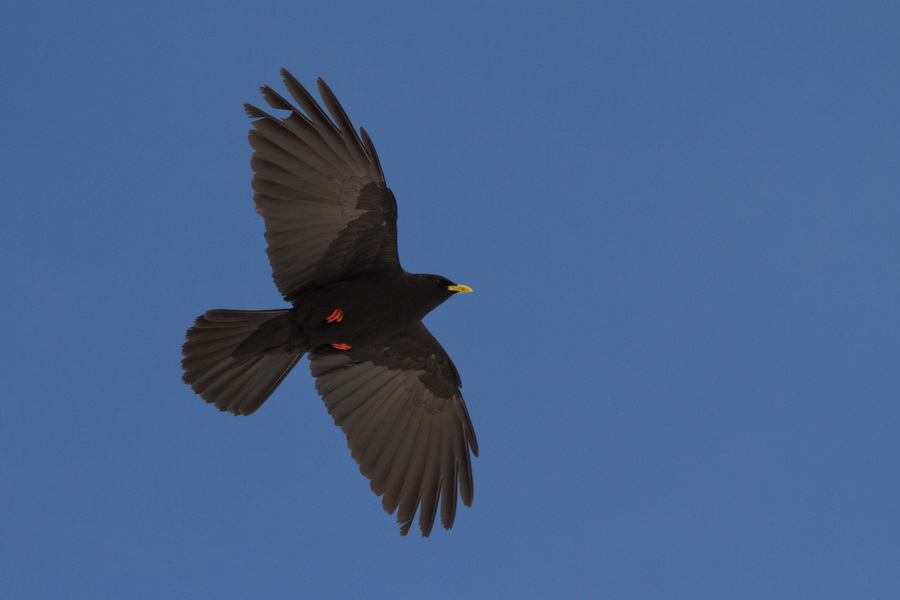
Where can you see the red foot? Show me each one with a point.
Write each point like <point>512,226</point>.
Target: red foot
<point>340,346</point>
<point>336,316</point>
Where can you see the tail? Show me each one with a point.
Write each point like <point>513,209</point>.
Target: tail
<point>239,385</point>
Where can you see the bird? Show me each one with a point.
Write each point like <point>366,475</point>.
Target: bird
<point>331,232</point>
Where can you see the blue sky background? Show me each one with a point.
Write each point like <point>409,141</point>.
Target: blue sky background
<point>681,223</point>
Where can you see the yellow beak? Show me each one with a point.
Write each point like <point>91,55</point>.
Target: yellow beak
<point>459,288</point>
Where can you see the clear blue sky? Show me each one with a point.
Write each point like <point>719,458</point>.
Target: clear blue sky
<point>682,224</point>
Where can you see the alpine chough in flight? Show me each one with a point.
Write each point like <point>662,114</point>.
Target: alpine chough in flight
<point>331,227</point>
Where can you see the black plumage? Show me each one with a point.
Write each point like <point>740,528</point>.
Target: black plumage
<point>331,227</point>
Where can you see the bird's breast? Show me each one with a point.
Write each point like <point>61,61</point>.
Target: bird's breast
<point>352,313</point>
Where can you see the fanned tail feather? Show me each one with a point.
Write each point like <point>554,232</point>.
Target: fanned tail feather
<point>237,385</point>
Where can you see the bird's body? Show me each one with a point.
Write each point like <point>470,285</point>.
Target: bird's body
<point>331,224</point>
<point>373,307</point>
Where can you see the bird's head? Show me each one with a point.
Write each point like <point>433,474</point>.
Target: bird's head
<point>444,285</point>
<point>433,290</point>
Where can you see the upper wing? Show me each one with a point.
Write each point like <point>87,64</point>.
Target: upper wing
<point>406,423</point>
<point>320,189</point>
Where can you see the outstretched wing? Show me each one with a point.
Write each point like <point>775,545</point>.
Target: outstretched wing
<point>320,189</point>
<point>406,423</point>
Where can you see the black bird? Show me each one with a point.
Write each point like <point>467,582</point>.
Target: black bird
<point>331,227</point>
